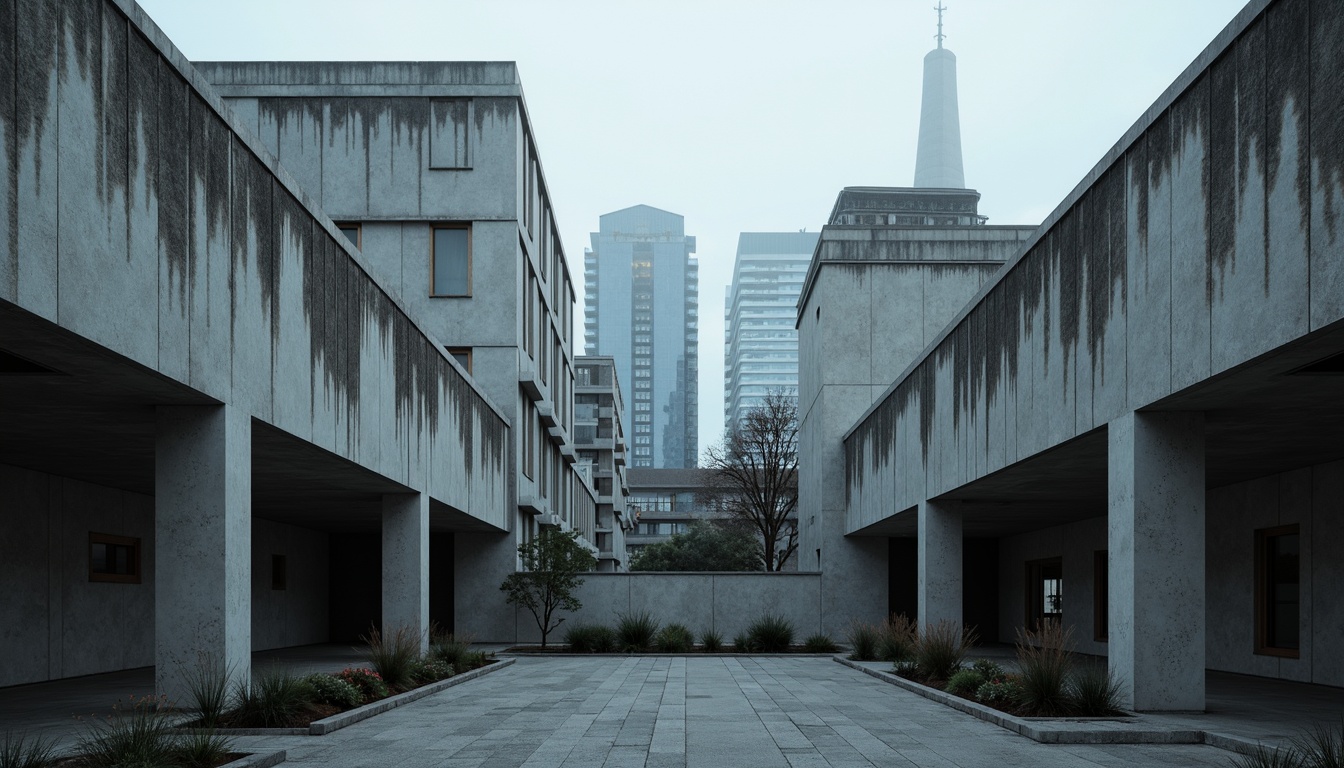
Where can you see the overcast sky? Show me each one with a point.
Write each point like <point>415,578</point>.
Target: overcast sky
<point>749,116</point>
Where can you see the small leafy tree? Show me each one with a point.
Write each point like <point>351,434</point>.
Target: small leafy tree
<point>705,546</point>
<point>755,475</point>
<point>552,562</point>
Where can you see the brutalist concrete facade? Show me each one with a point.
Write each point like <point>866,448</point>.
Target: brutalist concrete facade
<point>206,392</point>
<point>1145,400</point>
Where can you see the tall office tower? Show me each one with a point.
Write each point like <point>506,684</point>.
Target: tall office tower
<point>760,343</point>
<point>643,294</point>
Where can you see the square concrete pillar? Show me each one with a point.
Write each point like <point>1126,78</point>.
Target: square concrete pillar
<point>203,543</point>
<point>406,564</point>
<point>1156,540</point>
<point>940,587</point>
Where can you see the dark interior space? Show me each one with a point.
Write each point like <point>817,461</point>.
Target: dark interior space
<point>355,584</point>
<point>441,581</point>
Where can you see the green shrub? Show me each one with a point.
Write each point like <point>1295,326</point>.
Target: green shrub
<point>1094,692</point>
<point>906,668</point>
<point>987,669</point>
<point>940,649</point>
<point>1044,661</point>
<point>1003,691</point>
<point>711,641</point>
<point>590,638</point>
<point>770,633</point>
<point>820,643</point>
<point>393,656</point>
<point>138,735</point>
<point>964,682</point>
<point>275,699</point>
<point>674,638</point>
<point>449,648</point>
<point>201,749</point>
<point>18,750</point>
<point>897,638</point>
<point>370,684</point>
<point>431,670</point>
<point>863,641</point>
<point>742,643</point>
<point>635,631</point>
<point>207,684</point>
<point>332,690</point>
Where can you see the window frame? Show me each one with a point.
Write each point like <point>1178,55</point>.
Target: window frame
<point>433,259</point>
<point>455,352</point>
<point>1035,592</point>
<point>1262,608</point>
<point>341,226</point>
<point>120,541</point>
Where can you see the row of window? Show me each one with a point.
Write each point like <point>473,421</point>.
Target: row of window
<point>116,559</point>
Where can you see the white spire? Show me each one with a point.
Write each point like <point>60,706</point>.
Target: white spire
<point>938,160</point>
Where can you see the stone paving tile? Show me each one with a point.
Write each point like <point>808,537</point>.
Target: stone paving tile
<point>695,713</point>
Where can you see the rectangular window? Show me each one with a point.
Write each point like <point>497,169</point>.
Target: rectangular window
<point>1101,591</point>
<point>1045,592</point>
<point>114,558</point>
<point>1277,593</point>
<point>462,355</point>
<point>352,233</point>
<point>450,268</point>
<point>279,573</point>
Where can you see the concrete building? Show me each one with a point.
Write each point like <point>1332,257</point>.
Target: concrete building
<point>642,292</point>
<point>599,440</point>
<point>760,308</point>
<point>222,427</point>
<point>1138,416</point>
<point>434,175</point>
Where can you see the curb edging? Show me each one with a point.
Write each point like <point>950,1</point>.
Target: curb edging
<point>350,717</point>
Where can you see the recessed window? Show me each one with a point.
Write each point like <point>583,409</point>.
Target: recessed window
<point>114,558</point>
<point>1045,592</point>
<point>352,232</point>
<point>1278,591</point>
<point>279,572</point>
<point>450,269</point>
<point>463,357</point>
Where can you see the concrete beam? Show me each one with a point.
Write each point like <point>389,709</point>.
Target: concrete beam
<point>203,543</point>
<point>1156,541</point>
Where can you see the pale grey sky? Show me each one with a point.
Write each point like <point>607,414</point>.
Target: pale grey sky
<point>750,115</point>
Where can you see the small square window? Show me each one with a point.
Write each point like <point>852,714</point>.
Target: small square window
<point>279,573</point>
<point>114,558</point>
<point>352,232</point>
<point>1278,578</point>
<point>450,265</point>
<point>462,355</point>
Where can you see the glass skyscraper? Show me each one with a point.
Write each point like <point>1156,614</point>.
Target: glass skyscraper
<point>760,344</point>
<point>642,304</point>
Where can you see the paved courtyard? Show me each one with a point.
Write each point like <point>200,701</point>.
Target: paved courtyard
<point>710,712</point>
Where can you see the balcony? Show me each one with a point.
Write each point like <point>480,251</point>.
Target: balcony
<point>546,410</point>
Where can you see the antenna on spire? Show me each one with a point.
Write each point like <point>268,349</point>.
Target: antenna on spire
<point>939,8</point>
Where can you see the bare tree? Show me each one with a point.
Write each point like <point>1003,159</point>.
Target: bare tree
<point>755,478</point>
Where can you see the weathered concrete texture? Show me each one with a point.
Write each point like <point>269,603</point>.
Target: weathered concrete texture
<point>1156,545</point>
<point>940,587</point>
<point>203,535</point>
<point>1206,240</point>
<point>406,564</point>
<point>294,612</point>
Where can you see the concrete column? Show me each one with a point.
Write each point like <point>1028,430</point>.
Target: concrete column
<point>1156,541</point>
<point>939,563</point>
<point>406,563</point>
<point>202,542</point>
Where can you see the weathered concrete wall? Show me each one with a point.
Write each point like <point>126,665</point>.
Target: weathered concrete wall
<point>1075,545</point>
<point>138,216</point>
<point>723,602</point>
<point>57,623</point>
<point>297,614</point>
<point>1209,235</point>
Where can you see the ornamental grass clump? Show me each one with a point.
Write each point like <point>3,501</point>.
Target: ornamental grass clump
<point>138,735</point>
<point>897,638</point>
<point>200,749</point>
<point>820,643</point>
<point>393,655</point>
<point>18,750</point>
<point>1094,692</point>
<point>711,641</point>
<point>863,639</point>
<point>674,638</point>
<point>207,684</point>
<point>1044,662</point>
<point>771,633</point>
<point>940,650</point>
<point>1322,746</point>
<point>275,699</point>
<point>449,648</point>
<point>590,638</point>
<point>635,631</point>
<point>742,643</point>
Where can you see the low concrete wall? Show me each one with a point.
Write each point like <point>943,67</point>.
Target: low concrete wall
<point>723,602</point>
